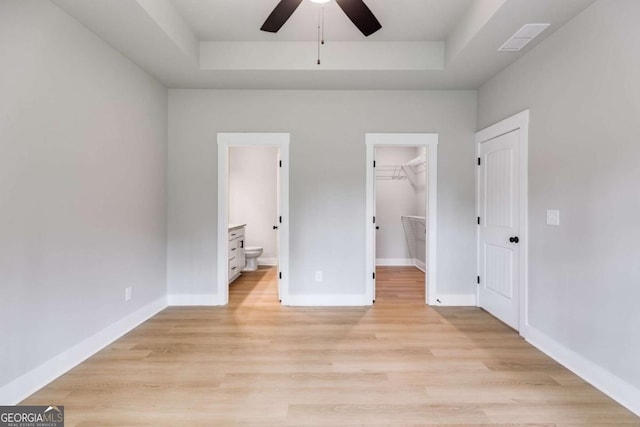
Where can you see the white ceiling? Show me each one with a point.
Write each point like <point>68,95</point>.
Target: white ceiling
<point>424,44</point>
<point>240,20</point>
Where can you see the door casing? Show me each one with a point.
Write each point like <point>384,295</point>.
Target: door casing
<point>225,141</point>
<point>520,122</point>
<point>430,141</point>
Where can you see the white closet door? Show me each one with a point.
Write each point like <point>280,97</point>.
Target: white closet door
<point>499,237</point>
<point>375,225</point>
<point>278,221</point>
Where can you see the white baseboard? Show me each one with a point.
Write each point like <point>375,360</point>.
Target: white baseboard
<point>24,386</point>
<point>188,300</point>
<point>267,261</point>
<point>329,300</point>
<point>619,390</point>
<point>394,262</point>
<point>401,262</point>
<point>456,300</point>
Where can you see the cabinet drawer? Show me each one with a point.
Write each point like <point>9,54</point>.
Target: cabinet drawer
<point>233,247</point>
<point>233,270</point>
<point>234,234</point>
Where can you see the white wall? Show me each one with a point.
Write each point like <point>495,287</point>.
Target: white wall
<point>583,88</point>
<point>327,179</point>
<point>394,198</point>
<point>82,185</point>
<point>253,196</point>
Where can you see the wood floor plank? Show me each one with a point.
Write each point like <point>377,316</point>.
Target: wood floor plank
<point>370,414</point>
<point>257,363</point>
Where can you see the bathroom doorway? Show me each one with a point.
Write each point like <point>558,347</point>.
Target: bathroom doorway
<point>253,188</point>
<point>401,217</point>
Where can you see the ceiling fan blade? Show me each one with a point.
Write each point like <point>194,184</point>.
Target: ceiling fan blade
<point>280,14</point>
<point>360,15</point>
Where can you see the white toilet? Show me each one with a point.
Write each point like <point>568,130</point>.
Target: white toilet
<point>251,253</point>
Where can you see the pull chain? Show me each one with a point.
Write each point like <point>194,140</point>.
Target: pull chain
<point>322,39</point>
<point>319,33</point>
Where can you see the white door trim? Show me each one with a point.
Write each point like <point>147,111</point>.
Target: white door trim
<point>429,140</point>
<point>518,121</point>
<point>226,140</point>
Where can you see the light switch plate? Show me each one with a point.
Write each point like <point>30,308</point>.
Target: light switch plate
<point>553,217</point>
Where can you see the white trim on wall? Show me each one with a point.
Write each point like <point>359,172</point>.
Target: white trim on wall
<point>619,390</point>
<point>430,141</point>
<point>329,300</point>
<point>456,300</point>
<point>24,386</point>
<point>401,262</point>
<point>395,262</point>
<point>518,121</point>
<point>191,300</point>
<point>235,139</point>
<point>270,262</point>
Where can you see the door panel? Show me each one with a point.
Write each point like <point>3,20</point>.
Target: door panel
<point>499,187</point>
<point>499,270</point>
<point>499,198</point>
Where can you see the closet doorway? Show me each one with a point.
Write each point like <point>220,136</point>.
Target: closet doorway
<point>236,230</point>
<point>402,214</point>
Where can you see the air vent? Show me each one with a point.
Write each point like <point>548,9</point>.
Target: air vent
<point>523,37</point>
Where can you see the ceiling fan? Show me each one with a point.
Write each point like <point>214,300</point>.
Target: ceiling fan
<point>356,10</point>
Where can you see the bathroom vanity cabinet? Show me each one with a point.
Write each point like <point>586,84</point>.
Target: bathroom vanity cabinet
<point>236,250</point>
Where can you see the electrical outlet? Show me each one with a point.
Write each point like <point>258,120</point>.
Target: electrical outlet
<point>128,293</point>
<point>318,276</point>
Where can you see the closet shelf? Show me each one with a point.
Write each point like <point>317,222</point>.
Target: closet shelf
<point>417,165</point>
<point>415,230</point>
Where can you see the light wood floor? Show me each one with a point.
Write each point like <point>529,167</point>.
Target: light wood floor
<point>258,363</point>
